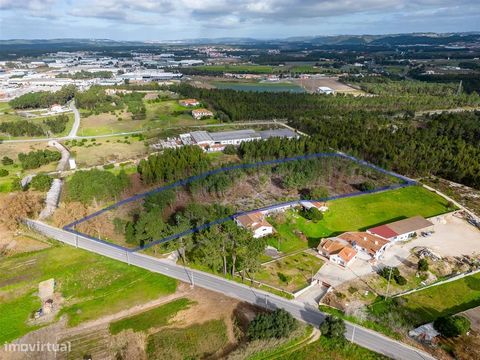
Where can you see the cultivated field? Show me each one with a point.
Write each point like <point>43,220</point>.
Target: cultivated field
<point>90,285</point>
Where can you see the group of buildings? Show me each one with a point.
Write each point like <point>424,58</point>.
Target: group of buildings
<point>344,248</point>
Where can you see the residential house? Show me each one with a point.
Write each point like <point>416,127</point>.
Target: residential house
<point>337,251</point>
<point>403,229</point>
<point>256,223</point>
<point>189,102</point>
<point>201,113</point>
<point>364,242</point>
<point>316,204</point>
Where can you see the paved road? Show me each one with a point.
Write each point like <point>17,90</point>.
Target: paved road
<point>307,313</point>
<point>76,123</point>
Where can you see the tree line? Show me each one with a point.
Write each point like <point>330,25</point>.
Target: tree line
<point>35,159</point>
<point>173,164</point>
<point>56,125</point>
<point>43,99</point>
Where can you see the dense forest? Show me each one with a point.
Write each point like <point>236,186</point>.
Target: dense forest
<point>400,97</point>
<point>44,99</point>
<point>446,145</point>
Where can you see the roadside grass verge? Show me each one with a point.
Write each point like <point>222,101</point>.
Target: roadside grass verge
<point>288,346</point>
<point>193,342</point>
<point>92,286</point>
<point>369,324</point>
<point>332,349</point>
<point>156,317</point>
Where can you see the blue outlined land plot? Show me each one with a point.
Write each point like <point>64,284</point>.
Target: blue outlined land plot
<point>175,210</point>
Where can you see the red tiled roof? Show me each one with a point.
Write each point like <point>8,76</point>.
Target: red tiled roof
<point>347,253</point>
<point>383,231</point>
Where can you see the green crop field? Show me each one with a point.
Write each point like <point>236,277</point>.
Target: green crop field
<point>358,213</point>
<point>194,342</point>
<point>92,286</point>
<point>241,68</point>
<point>259,86</point>
<point>152,318</point>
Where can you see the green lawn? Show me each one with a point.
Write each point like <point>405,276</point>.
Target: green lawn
<point>290,273</point>
<point>329,349</point>
<point>92,286</point>
<point>194,342</point>
<point>358,213</point>
<point>156,317</point>
<point>447,299</point>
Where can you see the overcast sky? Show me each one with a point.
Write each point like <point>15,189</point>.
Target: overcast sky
<point>180,19</point>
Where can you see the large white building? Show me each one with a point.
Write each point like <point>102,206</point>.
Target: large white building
<point>216,141</point>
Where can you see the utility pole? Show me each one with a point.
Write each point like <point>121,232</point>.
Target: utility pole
<point>353,333</point>
<point>191,279</point>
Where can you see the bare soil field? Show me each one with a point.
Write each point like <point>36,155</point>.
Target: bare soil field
<point>312,84</point>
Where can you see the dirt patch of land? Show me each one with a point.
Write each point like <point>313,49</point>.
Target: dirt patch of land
<point>312,84</point>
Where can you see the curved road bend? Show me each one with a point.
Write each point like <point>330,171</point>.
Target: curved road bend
<point>357,334</point>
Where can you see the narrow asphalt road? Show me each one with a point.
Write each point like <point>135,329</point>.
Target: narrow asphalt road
<point>307,313</point>
<point>76,123</point>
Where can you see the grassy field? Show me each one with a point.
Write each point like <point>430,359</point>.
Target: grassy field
<point>194,342</point>
<point>159,115</point>
<point>12,150</point>
<point>290,273</point>
<point>104,150</point>
<point>329,349</point>
<point>358,213</point>
<point>91,285</point>
<point>152,318</point>
<point>426,305</point>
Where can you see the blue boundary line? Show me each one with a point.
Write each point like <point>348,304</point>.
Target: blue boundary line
<point>70,227</point>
